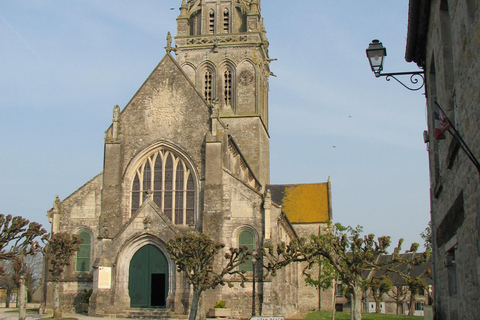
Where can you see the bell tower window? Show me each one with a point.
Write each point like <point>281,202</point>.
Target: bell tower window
<point>226,21</point>
<point>228,87</point>
<point>169,181</point>
<point>211,22</point>
<point>208,86</point>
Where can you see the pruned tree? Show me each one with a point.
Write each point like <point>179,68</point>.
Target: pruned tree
<point>399,295</point>
<point>60,248</point>
<point>194,254</point>
<point>7,280</point>
<point>407,266</point>
<point>20,238</point>
<point>379,287</point>
<point>352,256</point>
<point>326,276</point>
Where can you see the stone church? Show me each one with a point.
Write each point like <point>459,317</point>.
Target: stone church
<point>190,153</point>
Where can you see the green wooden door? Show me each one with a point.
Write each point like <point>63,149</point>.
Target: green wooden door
<point>148,278</point>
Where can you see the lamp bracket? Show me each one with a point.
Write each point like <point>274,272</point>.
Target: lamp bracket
<point>415,77</point>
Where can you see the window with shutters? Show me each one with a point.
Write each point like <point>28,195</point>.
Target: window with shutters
<point>226,21</point>
<point>211,22</point>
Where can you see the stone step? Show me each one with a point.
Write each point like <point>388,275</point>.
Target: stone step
<point>153,313</point>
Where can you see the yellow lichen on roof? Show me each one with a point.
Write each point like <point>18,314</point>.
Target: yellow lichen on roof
<point>306,203</point>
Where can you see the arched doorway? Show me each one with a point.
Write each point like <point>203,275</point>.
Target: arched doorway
<point>148,278</point>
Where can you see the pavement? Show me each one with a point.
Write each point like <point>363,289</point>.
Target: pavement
<point>12,314</point>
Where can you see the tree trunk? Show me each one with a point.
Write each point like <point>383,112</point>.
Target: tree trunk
<point>412,304</point>
<point>9,296</point>
<point>356,313</point>
<point>334,304</point>
<point>377,304</point>
<point>22,295</point>
<point>57,313</point>
<point>194,307</point>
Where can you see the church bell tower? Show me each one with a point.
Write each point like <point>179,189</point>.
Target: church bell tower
<point>222,47</point>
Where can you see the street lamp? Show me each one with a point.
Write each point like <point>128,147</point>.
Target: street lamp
<point>253,285</point>
<point>376,53</point>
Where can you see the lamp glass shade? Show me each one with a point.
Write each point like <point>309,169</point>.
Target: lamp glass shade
<point>375,54</point>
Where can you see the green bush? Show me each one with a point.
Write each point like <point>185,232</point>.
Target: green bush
<point>220,304</point>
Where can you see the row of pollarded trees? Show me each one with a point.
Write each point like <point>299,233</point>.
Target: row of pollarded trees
<point>340,253</point>
<point>20,240</point>
<point>353,258</point>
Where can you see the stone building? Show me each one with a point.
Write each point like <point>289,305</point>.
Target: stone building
<point>190,153</point>
<point>444,40</point>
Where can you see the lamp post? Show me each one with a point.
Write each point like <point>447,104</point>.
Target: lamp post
<point>253,285</point>
<point>376,54</point>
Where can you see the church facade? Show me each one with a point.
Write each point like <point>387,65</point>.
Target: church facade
<point>190,153</point>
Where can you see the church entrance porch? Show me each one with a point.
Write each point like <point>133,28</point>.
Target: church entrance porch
<point>148,278</point>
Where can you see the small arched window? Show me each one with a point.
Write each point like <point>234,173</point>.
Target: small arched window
<point>227,76</point>
<point>207,86</point>
<point>247,238</point>
<point>211,22</point>
<point>195,23</point>
<point>171,181</point>
<point>226,20</point>
<point>83,256</point>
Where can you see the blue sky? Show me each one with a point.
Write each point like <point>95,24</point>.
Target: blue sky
<point>65,64</point>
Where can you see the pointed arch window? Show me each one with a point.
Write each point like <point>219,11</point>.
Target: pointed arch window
<point>195,23</point>
<point>207,86</point>
<point>168,179</point>
<point>227,76</point>
<point>82,263</point>
<point>247,238</point>
<point>211,21</point>
<point>226,20</point>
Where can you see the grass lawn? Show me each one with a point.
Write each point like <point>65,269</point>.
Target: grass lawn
<point>327,315</point>
<point>28,311</point>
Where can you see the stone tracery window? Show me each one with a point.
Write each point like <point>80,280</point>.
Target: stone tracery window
<point>228,87</point>
<point>207,86</point>
<point>170,181</point>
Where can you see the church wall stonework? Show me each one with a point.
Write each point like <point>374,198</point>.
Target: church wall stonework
<point>207,113</point>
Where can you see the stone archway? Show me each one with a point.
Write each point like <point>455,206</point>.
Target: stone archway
<point>124,259</point>
<point>148,278</point>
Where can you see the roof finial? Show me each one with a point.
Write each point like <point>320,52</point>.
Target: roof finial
<point>169,47</point>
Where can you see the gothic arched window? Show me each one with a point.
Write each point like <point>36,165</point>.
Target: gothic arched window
<point>82,263</point>
<point>169,181</point>
<point>247,238</point>
<point>226,20</point>
<point>227,79</point>
<point>207,86</point>
<point>195,23</point>
<point>211,22</point>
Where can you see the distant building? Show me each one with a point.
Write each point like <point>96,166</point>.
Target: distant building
<point>190,152</point>
<point>444,39</point>
<point>389,305</point>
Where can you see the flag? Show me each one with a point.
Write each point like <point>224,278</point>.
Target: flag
<point>441,123</point>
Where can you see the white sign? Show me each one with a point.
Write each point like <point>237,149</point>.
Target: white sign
<point>104,277</point>
<point>267,318</point>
